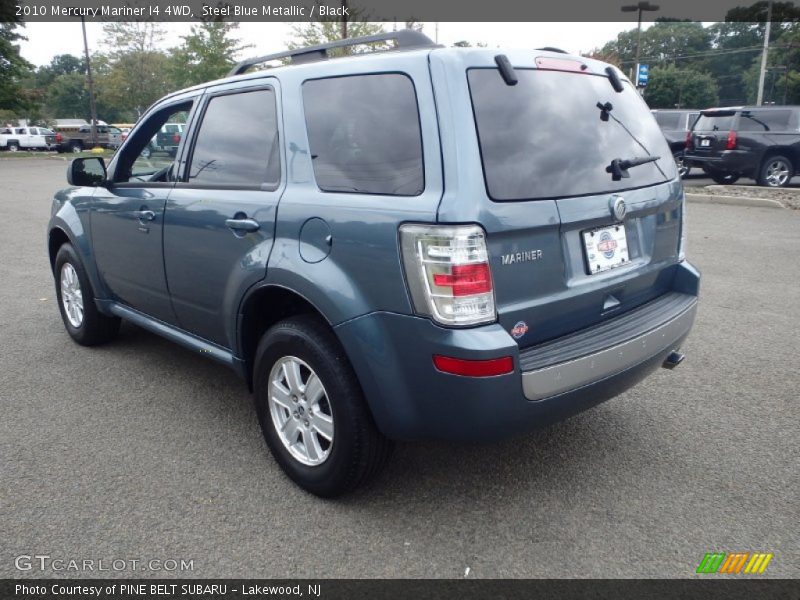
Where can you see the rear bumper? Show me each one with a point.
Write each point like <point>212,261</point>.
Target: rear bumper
<point>728,161</point>
<point>410,399</point>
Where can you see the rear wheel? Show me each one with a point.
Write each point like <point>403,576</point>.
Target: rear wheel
<point>84,323</point>
<point>13,147</point>
<point>683,167</point>
<point>312,411</point>
<point>723,178</point>
<point>776,172</point>
<point>76,147</point>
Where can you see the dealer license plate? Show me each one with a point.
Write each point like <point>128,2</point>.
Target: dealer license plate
<point>606,248</point>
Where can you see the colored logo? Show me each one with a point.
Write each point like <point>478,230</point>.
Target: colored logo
<point>607,244</point>
<point>751,563</point>
<point>520,329</point>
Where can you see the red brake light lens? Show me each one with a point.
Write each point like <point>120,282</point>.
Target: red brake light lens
<point>731,143</point>
<point>474,368</point>
<point>466,280</point>
<point>688,144</point>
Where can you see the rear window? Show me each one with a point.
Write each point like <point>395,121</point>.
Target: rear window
<point>364,134</point>
<point>544,138</point>
<point>668,120</point>
<point>715,122</point>
<point>764,120</point>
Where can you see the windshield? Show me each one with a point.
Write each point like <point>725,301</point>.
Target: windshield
<point>714,122</point>
<point>546,138</point>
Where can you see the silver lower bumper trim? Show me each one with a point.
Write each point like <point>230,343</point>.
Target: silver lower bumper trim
<point>563,377</point>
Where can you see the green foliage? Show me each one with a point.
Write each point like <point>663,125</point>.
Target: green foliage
<point>13,70</point>
<point>671,87</point>
<point>207,53</point>
<point>321,32</point>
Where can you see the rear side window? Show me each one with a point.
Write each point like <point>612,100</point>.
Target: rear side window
<point>364,134</point>
<point>237,143</point>
<point>668,120</point>
<point>546,137</point>
<point>764,120</point>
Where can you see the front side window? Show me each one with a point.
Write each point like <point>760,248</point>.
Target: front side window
<point>364,134</point>
<point>237,143</point>
<point>149,156</point>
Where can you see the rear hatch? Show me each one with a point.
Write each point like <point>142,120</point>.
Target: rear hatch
<point>547,149</point>
<point>710,133</point>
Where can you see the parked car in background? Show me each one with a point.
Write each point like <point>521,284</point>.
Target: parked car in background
<point>26,138</point>
<point>675,124</point>
<point>76,138</point>
<point>420,243</point>
<point>760,142</point>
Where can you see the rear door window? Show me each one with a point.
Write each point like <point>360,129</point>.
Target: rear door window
<point>237,143</point>
<point>364,134</point>
<point>545,138</point>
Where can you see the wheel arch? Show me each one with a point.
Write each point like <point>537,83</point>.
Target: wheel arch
<point>263,307</point>
<point>787,151</point>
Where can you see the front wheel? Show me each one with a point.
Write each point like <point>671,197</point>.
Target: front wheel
<point>312,411</point>
<point>13,147</point>
<point>776,172</point>
<point>84,323</point>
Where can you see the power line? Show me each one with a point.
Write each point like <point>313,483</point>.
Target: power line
<point>700,54</point>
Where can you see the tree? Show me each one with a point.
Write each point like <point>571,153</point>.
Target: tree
<point>13,68</point>
<point>207,53</point>
<point>320,32</point>
<point>671,87</point>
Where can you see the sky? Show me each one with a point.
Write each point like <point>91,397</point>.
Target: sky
<point>46,40</point>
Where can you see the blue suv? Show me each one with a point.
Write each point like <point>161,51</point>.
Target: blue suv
<point>415,242</point>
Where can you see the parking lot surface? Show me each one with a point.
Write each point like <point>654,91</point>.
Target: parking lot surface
<point>143,450</point>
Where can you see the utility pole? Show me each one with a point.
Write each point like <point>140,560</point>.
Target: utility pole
<point>762,73</point>
<point>344,19</point>
<point>640,7</point>
<point>90,82</point>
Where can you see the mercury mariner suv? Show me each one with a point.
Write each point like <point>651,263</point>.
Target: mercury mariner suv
<point>416,242</point>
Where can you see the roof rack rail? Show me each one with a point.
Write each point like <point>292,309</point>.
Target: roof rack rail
<point>552,49</point>
<point>404,39</point>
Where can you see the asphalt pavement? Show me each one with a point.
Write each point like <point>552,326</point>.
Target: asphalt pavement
<point>140,450</point>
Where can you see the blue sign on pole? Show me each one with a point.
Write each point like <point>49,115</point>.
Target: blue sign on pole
<point>642,75</point>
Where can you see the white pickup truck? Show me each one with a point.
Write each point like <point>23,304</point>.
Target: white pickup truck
<point>27,138</point>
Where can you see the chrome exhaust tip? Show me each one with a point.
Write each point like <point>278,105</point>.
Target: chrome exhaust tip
<point>673,360</point>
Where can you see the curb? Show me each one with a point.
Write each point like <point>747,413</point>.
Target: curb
<point>733,200</point>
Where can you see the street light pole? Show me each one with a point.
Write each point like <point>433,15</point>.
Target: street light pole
<point>90,81</point>
<point>762,73</point>
<point>641,7</point>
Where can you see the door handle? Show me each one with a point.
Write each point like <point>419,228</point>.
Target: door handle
<point>247,225</point>
<point>144,215</point>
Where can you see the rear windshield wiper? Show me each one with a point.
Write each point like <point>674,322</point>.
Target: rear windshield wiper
<point>619,167</point>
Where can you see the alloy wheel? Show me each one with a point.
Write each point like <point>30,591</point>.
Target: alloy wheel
<point>71,295</point>
<point>301,411</point>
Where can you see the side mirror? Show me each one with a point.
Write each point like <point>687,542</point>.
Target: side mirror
<point>88,172</point>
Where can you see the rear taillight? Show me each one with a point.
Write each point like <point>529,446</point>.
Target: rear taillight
<point>731,143</point>
<point>59,138</point>
<point>688,143</point>
<point>176,138</point>
<point>448,273</point>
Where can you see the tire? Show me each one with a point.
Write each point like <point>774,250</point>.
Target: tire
<point>683,167</point>
<point>776,171</point>
<point>723,178</point>
<point>146,152</point>
<point>76,147</point>
<point>13,147</point>
<point>86,326</point>
<point>357,451</point>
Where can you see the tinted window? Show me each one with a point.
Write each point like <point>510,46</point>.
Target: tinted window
<point>544,137</point>
<point>692,118</point>
<point>764,120</point>
<point>668,120</point>
<point>238,141</point>
<point>714,122</point>
<point>364,134</point>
